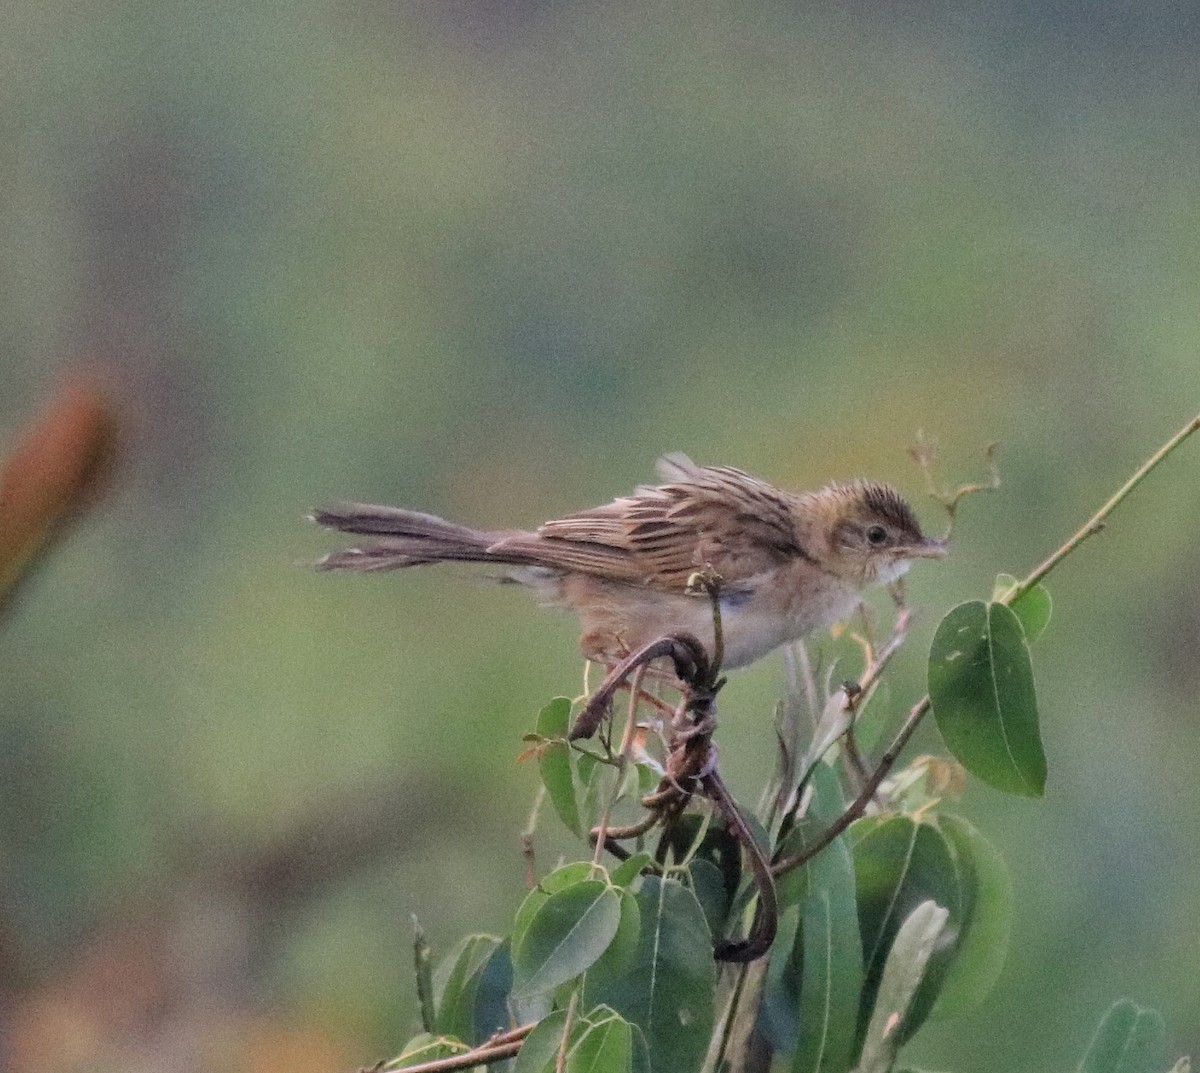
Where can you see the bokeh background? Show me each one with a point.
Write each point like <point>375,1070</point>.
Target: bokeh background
<point>489,259</point>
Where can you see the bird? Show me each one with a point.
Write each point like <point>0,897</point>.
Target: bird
<point>787,563</point>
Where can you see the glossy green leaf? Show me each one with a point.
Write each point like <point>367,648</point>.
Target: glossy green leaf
<point>779,1010</point>
<point>554,762</point>
<point>1032,608</point>
<point>627,872</point>
<point>456,986</point>
<point>600,1042</point>
<point>604,1046</point>
<point>566,936</point>
<point>831,977</point>
<point>987,912</point>
<point>905,971</point>
<point>560,879</point>
<point>668,991</point>
<point>1129,1039</point>
<point>641,1051</point>
<point>492,1013</point>
<point>981,686</point>
<point>899,864</point>
<point>708,884</point>
<point>831,965</point>
<point>601,786</point>
<point>618,958</point>
<point>541,1046</point>
<point>874,715</point>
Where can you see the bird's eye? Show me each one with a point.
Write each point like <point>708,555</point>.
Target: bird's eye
<point>877,536</point>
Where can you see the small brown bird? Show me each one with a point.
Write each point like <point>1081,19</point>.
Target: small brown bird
<point>789,563</point>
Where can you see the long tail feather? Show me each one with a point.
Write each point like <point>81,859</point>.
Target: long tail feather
<point>410,538</point>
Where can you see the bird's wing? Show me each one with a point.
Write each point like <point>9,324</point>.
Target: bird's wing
<point>659,536</point>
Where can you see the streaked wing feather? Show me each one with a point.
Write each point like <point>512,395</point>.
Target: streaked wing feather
<point>659,536</point>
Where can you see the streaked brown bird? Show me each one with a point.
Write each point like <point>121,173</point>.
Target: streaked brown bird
<point>789,563</point>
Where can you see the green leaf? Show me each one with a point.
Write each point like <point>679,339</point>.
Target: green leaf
<point>873,716</point>
<point>778,1018</point>
<point>492,1013</point>
<point>627,872</point>
<point>554,762</point>
<point>708,884</point>
<point>1032,608</point>
<point>618,958</point>
<point>540,1048</point>
<point>829,946</point>
<point>1130,1039</point>
<point>560,879</point>
<point>668,991</point>
<point>567,934</point>
<point>604,1046</point>
<point>899,864</point>
<point>601,785</point>
<point>831,979</point>
<point>987,911</point>
<point>456,986</point>
<point>916,942</point>
<point>641,1053</point>
<point>981,686</point>
<point>600,1042</point>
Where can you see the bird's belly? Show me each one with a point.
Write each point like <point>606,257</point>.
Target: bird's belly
<point>752,627</point>
<point>618,619</point>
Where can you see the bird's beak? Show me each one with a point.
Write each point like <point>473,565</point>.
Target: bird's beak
<point>928,548</point>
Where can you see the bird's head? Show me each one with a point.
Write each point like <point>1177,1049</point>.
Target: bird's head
<point>865,532</point>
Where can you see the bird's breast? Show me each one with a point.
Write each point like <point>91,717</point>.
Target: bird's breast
<point>778,608</point>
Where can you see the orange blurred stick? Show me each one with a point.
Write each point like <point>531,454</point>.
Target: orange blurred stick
<point>58,467</point>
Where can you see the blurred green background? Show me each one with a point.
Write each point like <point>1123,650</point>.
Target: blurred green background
<point>489,260</point>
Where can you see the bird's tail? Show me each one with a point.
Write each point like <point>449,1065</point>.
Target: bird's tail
<point>408,538</point>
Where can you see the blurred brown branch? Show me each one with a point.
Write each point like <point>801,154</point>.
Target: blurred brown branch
<point>59,465</point>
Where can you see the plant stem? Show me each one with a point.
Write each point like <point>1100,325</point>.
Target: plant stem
<point>502,1046</point>
<point>1094,524</point>
<point>627,737</point>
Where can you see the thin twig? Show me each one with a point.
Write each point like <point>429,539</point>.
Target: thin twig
<point>925,454</point>
<point>560,1059</point>
<point>1093,525</point>
<point>859,805</point>
<point>527,849</point>
<point>601,832</point>
<point>501,1046</point>
<point>1096,522</point>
